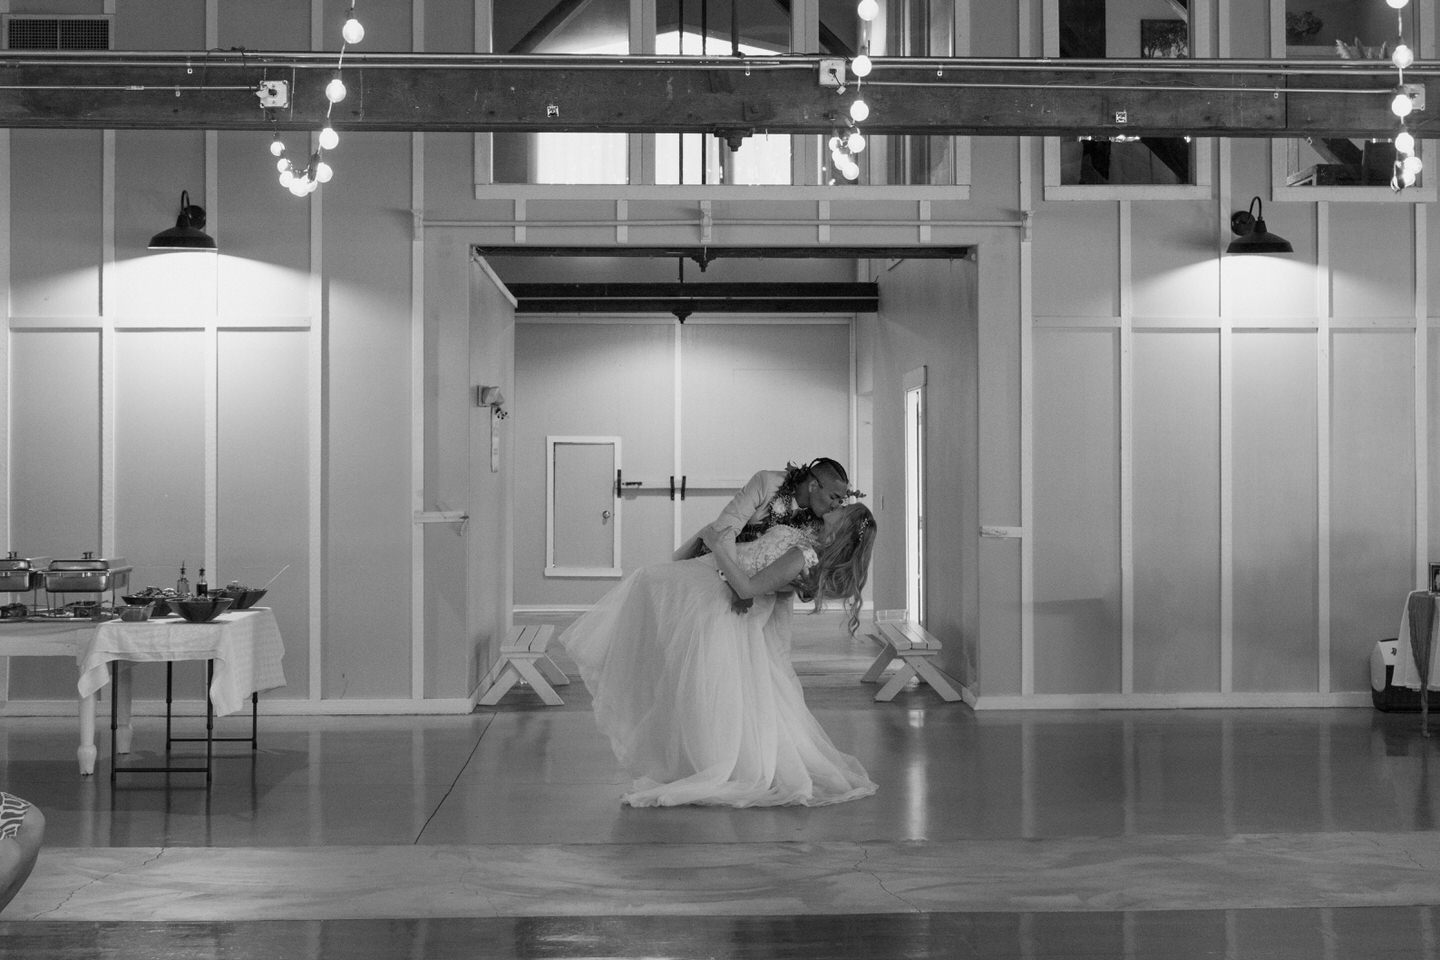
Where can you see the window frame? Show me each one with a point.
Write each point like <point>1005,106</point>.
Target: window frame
<point>1426,192</point>
<point>1204,186</point>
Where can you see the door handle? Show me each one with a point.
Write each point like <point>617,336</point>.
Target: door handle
<point>604,515</point>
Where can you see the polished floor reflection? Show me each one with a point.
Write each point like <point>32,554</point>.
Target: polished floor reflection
<point>1196,833</point>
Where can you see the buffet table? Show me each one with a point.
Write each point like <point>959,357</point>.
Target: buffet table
<point>244,645</point>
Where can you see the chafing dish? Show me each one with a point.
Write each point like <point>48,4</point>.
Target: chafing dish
<point>18,574</point>
<point>89,574</point>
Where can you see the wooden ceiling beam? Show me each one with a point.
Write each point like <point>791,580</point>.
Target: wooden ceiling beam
<point>725,96</point>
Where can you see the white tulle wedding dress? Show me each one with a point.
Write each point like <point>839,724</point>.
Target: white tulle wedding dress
<point>700,703</point>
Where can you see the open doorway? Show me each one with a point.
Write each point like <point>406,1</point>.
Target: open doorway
<point>915,494</point>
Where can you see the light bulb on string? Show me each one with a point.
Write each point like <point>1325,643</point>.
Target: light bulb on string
<point>1405,142</point>
<point>856,142</point>
<point>277,148</point>
<point>335,90</point>
<point>323,171</point>
<point>1402,105</point>
<point>282,164</point>
<point>299,187</point>
<point>1412,165</point>
<point>353,31</point>
<point>1398,4</point>
<point>287,177</point>
<point>834,144</point>
<point>868,10</point>
<point>1402,56</point>
<point>329,139</point>
<point>859,110</point>
<point>861,66</point>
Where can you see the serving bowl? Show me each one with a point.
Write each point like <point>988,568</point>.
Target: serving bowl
<point>244,599</point>
<point>159,606</point>
<point>201,609</point>
<point>134,613</point>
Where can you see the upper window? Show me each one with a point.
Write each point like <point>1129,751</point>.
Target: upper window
<point>1340,168</point>
<point>1132,167</point>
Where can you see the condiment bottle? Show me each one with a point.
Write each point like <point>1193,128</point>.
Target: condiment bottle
<point>182,586</point>
<point>201,587</point>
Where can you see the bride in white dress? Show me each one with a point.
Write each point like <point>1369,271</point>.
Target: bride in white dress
<point>701,703</point>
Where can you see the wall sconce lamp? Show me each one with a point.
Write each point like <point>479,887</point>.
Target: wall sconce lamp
<point>1251,235</point>
<point>188,232</point>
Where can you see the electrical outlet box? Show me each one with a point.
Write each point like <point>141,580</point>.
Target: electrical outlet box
<point>274,93</point>
<point>832,72</point>
<point>1416,93</point>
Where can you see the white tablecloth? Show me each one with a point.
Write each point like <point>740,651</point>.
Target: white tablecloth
<point>245,646</point>
<point>1407,674</point>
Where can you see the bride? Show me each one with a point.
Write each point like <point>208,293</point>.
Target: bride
<point>701,703</point>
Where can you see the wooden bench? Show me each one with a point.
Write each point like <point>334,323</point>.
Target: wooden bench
<point>908,643</point>
<point>523,660</point>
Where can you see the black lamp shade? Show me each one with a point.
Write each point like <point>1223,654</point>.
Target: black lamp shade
<point>188,232</point>
<point>1251,235</point>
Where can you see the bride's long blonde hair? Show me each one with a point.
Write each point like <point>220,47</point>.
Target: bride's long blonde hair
<point>843,564</point>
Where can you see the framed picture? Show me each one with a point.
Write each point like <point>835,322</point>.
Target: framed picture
<point>1432,582</point>
<point>1164,39</point>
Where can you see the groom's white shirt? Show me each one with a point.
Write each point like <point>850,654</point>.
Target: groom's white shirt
<point>750,505</point>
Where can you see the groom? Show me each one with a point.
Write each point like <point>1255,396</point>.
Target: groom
<point>794,496</point>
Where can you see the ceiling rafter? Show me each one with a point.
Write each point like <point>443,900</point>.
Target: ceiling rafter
<point>481,92</point>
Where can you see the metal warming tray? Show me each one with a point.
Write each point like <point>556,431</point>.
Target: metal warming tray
<point>89,574</point>
<point>19,574</point>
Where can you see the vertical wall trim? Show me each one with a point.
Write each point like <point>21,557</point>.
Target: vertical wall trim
<point>107,345</point>
<point>1324,308</point>
<point>483,144</point>
<point>1026,197</point>
<point>853,428</point>
<point>417,384</point>
<point>417,416</point>
<point>677,512</point>
<point>5,361</point>
<point>1422,397</point>
<point>210,546</point>
<point>1227,508</point>
<point>1127,458</point>
<point>319,432</point>
<point>5,340</point>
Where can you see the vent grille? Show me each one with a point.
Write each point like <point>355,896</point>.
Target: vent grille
<point>57,33</point>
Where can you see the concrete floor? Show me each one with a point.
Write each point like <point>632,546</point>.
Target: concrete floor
<point>1236,833</point>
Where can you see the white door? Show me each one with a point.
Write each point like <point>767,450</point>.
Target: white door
<point>915,495</point>
<point>582,524</point>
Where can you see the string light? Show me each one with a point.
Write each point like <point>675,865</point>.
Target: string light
<point>1407,163</point>
<point>848,143</point>
<point>303,182</point>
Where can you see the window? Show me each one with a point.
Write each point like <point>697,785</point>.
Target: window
<point>913,28</point>
<point>1124,166</point>
<point>1337,168</point>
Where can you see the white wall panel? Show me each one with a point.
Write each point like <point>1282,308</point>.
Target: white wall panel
<point>593,379</point>
<point>54,469</point>
<point>1373,277</point>
<point>1373,494</point>
<point>55,228</point>
<point>1077,267</point>
<point>1173,279</point>
<point>262,439</point>
<point>1276,541</point>
<point>367,644</point>
<point>1076,526</point>
<point>1177,511</point>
